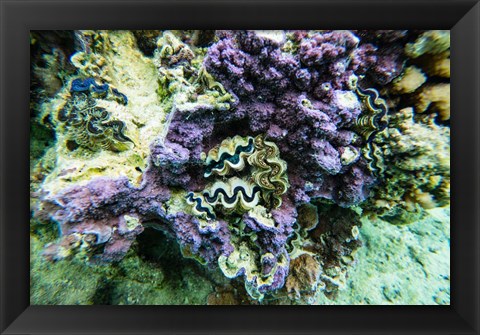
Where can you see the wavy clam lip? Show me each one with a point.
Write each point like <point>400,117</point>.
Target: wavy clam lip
<point>201,208</point>
<point>376,119</point>
<point>269,171</point>
<point>88,124</point>
<point>370,124</point>
<point>267,180</point>
<point>229,155</point>
<point>235,193</point>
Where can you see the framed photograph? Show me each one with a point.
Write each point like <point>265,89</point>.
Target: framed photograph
<point>186,158</point>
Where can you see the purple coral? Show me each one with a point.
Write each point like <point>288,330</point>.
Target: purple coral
<point>208,242</point>
<point>99,210</point>
<point>380,54</point>
<point>97,213</point>
<point>307,111</point>
<point>327,48</point>
<point>304,103</point>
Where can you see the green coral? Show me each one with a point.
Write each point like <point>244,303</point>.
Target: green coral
<point>146,276</point>
<point>416,153</point>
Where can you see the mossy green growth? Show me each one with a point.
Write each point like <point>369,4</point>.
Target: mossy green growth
<point>154,273</point>
<point>41,138</point>
<point>61,283</point>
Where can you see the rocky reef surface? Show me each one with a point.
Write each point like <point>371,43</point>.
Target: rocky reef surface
<point>240,167</point>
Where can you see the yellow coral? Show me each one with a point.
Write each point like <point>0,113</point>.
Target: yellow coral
<point>424,199</point>
<point>115,60</point>
<point>438,65</point>
<point>303,277</point>
<point>411,79</point>
<point>430,42</point>
<point>437,97</point>
<point>417,154</point>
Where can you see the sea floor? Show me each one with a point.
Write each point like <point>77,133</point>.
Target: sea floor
<point>398,265</point>
<point>401,265</point>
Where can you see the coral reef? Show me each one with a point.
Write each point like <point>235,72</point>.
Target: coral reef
<point>255,153</point>
<point>431,42</point>
<point>417,140</point>
<point>268,173</point>
<point>184,83</point>
<point>264,268</point>
<point>153,273</point>
<point>147,40</point>
<point>431,51</point>
<point>322,251</point>
<point>380,55</point>
<point>50,67</point>
<point>425,84</point>
<point>102,217</point>
<point>200,240</point>
<point>76,158</point>
<point>223,296</point>
<point>303,278</point>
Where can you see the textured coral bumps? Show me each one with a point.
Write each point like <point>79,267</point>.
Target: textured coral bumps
<point>304,102</point>
<point>254,150</point>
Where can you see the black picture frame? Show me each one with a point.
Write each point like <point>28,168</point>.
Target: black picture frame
<point>18,17</point>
